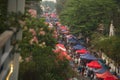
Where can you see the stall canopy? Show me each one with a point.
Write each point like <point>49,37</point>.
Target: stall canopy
<point>78,46</point>
<point>63,28</point>
<point>100,71</point>
<point>81,51</point>
<point>106,75</point>
<point>65,32</point>
<point>94,64</point>
<point>65,55</point>
<point>109,78</point>
<point>61,46</point>
<point>69,36</point>
<point>53,15</point>
<point>72,40</point>
<point>88,57</point>
<point>103,64</point>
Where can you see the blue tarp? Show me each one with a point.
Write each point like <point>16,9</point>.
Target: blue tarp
<point>88,57</point>
<point>81,42</point>
<point>104,67</point>
<point>72,40</point>
<point>102,70</point>
<point>103,64</point>
<point>78,46</point>
<point>85,53</point>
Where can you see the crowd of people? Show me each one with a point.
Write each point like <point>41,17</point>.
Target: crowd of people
<point>81,59</point>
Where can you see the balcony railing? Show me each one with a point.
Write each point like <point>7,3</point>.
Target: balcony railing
<point>7,51</point>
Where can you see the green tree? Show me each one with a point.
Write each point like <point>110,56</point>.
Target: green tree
<point>39,60</point>
<point>60,5</point>
<point>86,15</point>
<point>110,46</point>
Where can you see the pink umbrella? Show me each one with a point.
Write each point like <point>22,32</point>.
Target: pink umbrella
<point>65,55</point>
<point>63,28</point>
<point>69,36</point>
<point>61,46</point>
<point>65,32</point>
<point>53,15</point>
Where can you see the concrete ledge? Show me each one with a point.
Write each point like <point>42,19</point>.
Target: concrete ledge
<point>4,37</point>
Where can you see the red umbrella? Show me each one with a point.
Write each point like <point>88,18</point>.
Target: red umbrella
<point>65,32</point>
<point>109,78</point>
<point>53,15</point>
<point>69,36</point>
<point>61,46</point>
<point>105,75</point>
<point>81,51</point>
<point>65,55</point>
<point>94,64</point>
<point>58,23</point>
<point>56,50</point>
<point>63,28</point>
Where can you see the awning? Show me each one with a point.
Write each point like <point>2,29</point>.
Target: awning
<point>109,78</point>
<point>61,46</point>
<point>63,55</point>
<point>105,75</point>
<point>100,71</point>
<point>94,64</point>
<point>72,40</point>
<point>88,57</point>
<point>78,46</point>
<point>81,51</point>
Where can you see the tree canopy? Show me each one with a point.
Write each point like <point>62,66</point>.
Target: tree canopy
<point>39,62</point>
<point>87,16</point>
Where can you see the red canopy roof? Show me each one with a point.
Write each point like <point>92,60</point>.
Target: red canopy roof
<point>63,28</point>
<point>62,52</point>
<point>69,36</point>
<point>94,64</point>
<point>61,46</point>
<point>106,75</point>
<point>109,78</point>
<point>81,51</point>
<point>65,55</point>
<point>53,15</point>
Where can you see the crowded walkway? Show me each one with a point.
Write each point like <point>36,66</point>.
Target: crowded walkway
<point>82,61</point>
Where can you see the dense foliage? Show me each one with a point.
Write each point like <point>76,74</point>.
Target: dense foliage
<point>88,16</point>
<point>3,15</point>
<point>39,62</point>
<point>8,19</point>
<point>60,5</point>
<point>110,46</point>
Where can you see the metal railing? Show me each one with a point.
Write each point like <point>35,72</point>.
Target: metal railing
<point>7,51</point>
